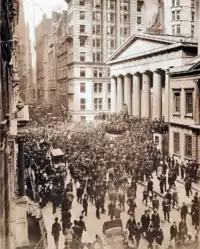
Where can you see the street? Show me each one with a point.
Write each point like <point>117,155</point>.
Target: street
<point>94,226</point>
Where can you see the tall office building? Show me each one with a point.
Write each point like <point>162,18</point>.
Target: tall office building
<point>95,30</point>
<point>24,57</point>
<point>180,17</point>
<point>41,48</point>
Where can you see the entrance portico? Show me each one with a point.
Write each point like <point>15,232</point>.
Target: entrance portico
<point>139,73</point>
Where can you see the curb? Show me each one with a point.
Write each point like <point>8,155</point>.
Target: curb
<point>193,187</point>
<point>156,192</point>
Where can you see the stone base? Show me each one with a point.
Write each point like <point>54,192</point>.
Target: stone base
<point>21,222</point>
<point>158,140</point>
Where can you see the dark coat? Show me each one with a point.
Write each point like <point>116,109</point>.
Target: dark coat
<point>155,218</point>
<point>173,230</point>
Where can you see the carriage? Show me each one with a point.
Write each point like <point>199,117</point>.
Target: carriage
<point>114,235</point>
<point>58,161</point>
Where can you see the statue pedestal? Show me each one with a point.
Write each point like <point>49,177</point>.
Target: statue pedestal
<point>21,222</point>
<point>158,140</point>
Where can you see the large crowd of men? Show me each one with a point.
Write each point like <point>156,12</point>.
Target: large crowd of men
<point>99,166</point>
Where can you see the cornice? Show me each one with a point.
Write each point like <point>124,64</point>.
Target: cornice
<point>149,53</point>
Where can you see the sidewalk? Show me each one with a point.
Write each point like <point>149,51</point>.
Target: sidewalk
<point>195,187</point>
<point>179,187</point>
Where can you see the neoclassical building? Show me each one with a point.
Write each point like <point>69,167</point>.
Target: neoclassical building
<point>139,72</point>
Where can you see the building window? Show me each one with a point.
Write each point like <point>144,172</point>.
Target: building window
<point>189,102</point>
<point>98,87</point>
<point>192,3</point>
<point>193,16</point>
<point>111,17</point>
<point>139,20</point>
<point>111,30</point>
<point>139,6</point>
<point>111,5</point>
<point>109,87</point>
<point>82,72</point>
<point>192,29</point>
<point>98,16</point>
<point>82,42</point>
<point>126,32</point>
<point>178,15</point>
<point>111,44</point>
<point>82,28</point>
<point>82,15</point>
<point>125,18</point>
<point>98,56</point>
<point>188,145</point>
<point>178,29</point>
<point>82,104</point>
<point>173,3</point>
<point>109,104</point>
<point>82,2</point>
<point>98,72</point>
<point>83,118</point>
<point>176,142</point>
<point>98,103</point>
<point>177,97</point>
<point>82,87</point>
<point>98,43</point>
<point>98,3</point>
<point>98,30</point>
<point>173,29</point>
<point>82,56</point>
<point>95,73</point>
<point>177,2</point>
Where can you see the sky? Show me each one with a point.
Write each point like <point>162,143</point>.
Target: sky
<point>34,10</point>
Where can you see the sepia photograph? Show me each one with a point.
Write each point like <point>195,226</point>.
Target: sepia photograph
<point>100,124</point>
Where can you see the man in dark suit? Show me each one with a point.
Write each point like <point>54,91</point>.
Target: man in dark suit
<point>173,231</point>
<point>145,220</point>
<point>155,219</point>
<point>130,225</point>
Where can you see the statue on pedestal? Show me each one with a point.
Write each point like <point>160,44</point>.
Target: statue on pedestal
<point>154,16</point>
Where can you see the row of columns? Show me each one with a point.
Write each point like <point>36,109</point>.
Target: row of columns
<point>127,89</point>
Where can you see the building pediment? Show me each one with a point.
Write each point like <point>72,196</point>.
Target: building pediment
<point>143,43</point>
<point>195,63</point>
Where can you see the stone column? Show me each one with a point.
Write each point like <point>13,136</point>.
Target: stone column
<point>136,96</point>
<point>145,106</point>
<point>21,225</point>
<point>157,96</point>
<point>165,107</point>
<point>105,96</point>
<point>2,197</point>
<point>21,167</point>
<point>113,95</point>
<point>120,101</point>
<point>127,92</point>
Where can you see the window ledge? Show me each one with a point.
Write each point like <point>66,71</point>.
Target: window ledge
<point>189,115</point>
<point>176,114</point>
<point>188,158</point>
<point>177,155</point>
